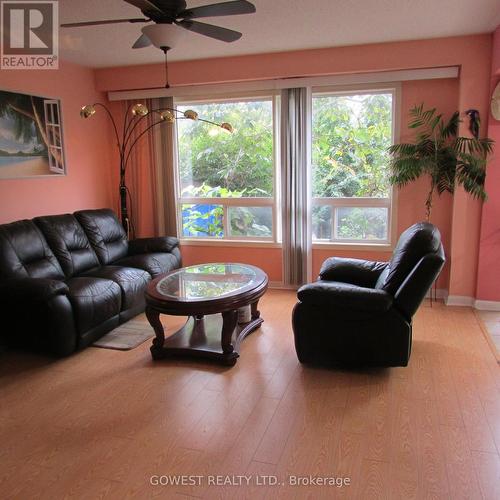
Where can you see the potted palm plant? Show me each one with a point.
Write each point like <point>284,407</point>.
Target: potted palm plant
<point>438,152</point>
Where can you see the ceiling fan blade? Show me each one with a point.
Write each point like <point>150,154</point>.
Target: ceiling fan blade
<point>170,5</point>
<point>219,9</point>
<point>111,21</point>
<point>141,42</point>
<point>217,32</point>
<point>145,6</point>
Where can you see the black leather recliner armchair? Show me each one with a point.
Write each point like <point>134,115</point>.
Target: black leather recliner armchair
<point>66,280</point>
<point>359,313</point>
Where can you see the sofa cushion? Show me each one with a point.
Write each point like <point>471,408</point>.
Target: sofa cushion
<point>105,233</point>
<point>152,245</point>
<point>154,263</point>
<point>354,271</point>
<point>132,282</point>
<point>68,241</point>
<point>24,253</point>
<point>30,290</point>
<point>94,301</point>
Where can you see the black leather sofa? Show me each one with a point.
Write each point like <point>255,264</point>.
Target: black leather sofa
<point>66,280</point>
<point>359,313</point>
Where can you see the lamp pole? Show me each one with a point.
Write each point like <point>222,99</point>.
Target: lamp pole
<point>134,115</point>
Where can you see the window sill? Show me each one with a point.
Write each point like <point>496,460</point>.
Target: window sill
<point>228,243</point>
<point>357,247</point>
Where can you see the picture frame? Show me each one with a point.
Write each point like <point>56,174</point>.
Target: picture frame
<point>31,136</point>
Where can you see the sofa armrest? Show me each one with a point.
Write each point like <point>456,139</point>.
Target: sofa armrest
<point>31,289</point>
<point>358,272</point>
<point>344,295</point>
<point>152,245</point>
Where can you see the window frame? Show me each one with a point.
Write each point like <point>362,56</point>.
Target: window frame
<point>53,129</point>
<point>273,201</point>
<point>276,241</point>
<point>362,202</point>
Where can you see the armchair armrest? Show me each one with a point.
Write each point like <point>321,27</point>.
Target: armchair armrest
<point>344,295</point>
<point>151,245</point>
<point>358,272</point>
<point>31,289</point>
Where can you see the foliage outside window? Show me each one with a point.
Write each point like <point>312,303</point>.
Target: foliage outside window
<point>226,181</point>
<point>350,172</point>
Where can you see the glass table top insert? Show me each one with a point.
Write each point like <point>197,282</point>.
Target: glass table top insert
<point>207,281</point>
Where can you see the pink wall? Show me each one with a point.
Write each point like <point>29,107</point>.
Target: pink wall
<point>90,157</point>
<point>495,58</point>
<point>87,184</point>
<point>268,259</point>
<point>488,286</point>
<point>443,95</point>
<point>458,217</point>
<point>466,219</point>
<point>337,60</point>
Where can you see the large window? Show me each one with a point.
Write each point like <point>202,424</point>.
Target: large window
<point>226,182</point>
<point>351,193</point>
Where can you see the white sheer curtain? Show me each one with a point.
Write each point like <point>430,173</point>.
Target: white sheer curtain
<point>296,185</point>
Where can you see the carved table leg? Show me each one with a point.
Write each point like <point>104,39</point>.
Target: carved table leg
<point>229,321</point>
<point>198,335</point>
<point>154,320</point>
<point>255,311</point>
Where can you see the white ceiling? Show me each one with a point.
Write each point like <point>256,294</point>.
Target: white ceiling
<point>278,25</point>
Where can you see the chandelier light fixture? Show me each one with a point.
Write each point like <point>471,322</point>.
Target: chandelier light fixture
<point>127,140</point>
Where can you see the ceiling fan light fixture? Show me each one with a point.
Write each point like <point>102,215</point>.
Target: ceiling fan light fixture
<point>495,102</point>
<point>172,18</point>
<point>163,35</point>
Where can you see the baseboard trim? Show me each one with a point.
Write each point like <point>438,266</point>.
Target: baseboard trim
<point>439,293</point>
<point>464,301</point>
<point>460,301</point>
<point>278,285</point>
<point>487,305</point>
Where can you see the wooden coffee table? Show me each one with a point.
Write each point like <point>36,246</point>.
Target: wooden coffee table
<point>210,295</point>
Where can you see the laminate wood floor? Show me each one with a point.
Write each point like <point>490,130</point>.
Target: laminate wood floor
<point>491,324</point>
<point>101,423</point>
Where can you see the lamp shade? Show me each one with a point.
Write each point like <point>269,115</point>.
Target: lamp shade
<point>163,35</point>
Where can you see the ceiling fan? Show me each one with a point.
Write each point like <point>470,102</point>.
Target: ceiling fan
<point>165,13</point>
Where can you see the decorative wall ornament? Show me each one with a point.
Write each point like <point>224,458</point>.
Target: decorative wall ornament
<point>475,122</point>
<point>495,102</point>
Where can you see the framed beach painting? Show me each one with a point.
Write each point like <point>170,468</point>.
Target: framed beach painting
<point>31,136</point>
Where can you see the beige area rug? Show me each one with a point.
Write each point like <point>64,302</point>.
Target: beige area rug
<point>127,336</point>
